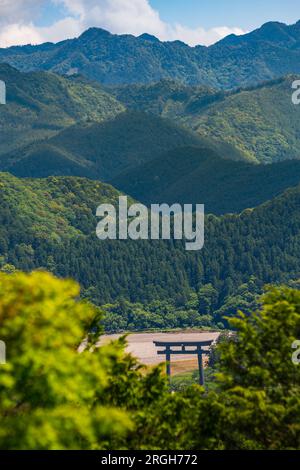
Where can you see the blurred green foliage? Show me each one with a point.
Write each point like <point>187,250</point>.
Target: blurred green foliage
<point>52,396</point>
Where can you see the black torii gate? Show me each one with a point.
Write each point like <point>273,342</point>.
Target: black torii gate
<point>183,345</point>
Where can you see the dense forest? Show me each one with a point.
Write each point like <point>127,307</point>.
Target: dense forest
<point>200,310</point>
<point>50,223</point>
<point>200,175</point>
<point>100,150</point>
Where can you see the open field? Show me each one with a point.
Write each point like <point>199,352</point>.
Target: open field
<point>141,346</point>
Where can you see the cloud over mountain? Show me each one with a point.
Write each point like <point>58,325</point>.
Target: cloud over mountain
<point>20,21</point>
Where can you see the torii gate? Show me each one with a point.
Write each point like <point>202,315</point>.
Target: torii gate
<point>182,349</point>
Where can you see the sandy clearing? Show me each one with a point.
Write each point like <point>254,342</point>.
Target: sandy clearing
<point>141,345</point>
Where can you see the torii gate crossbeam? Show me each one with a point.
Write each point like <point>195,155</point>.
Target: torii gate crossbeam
<point>184,347</point>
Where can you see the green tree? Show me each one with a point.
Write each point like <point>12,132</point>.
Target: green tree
<point>52,396</point>
<point>259,381</point>
<point>255,403</point>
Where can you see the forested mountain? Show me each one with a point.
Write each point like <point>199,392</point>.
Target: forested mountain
<point>199,175</point>
<point>165,97</point>
<point>261,122</point>
<point>57,126</point>
<point>183,140</point>
<point>93,118</point>
<point>271,51</point>
<point>40,104</point>
<point>101,150</point>
<point>51,223</point>
<point>148,157</point>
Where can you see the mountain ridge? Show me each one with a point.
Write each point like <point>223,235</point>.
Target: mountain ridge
<point>40,104</point>
<point>268,52</point>
<point>199,175</point>
<point>259,120</point>
<point>99,150</point>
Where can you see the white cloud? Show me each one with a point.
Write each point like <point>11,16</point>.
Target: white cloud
<point>200,35</point>
<point>17,33</point>
<point>18,21</point>
<point>14,11</point>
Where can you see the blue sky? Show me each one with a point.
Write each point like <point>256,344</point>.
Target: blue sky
<point>192,21</point>
<point>243,13</point>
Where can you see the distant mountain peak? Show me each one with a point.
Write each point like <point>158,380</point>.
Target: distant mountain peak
<point>181,43</point>
<point>272,31</point>
<point>148,37</point>
<point>273,25</point>
<point>92,33</point>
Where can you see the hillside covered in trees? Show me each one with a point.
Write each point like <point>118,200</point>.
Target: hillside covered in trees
<point>50,224</point>
<point>70,126</point>
<point>261,122</point>
<point>100,150</point>
<point>198,174</point>
<point>41,104</point>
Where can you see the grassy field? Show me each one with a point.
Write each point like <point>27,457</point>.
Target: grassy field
<point>180,381</point>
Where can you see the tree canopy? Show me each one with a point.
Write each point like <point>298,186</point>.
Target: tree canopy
<point>54,397</point>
